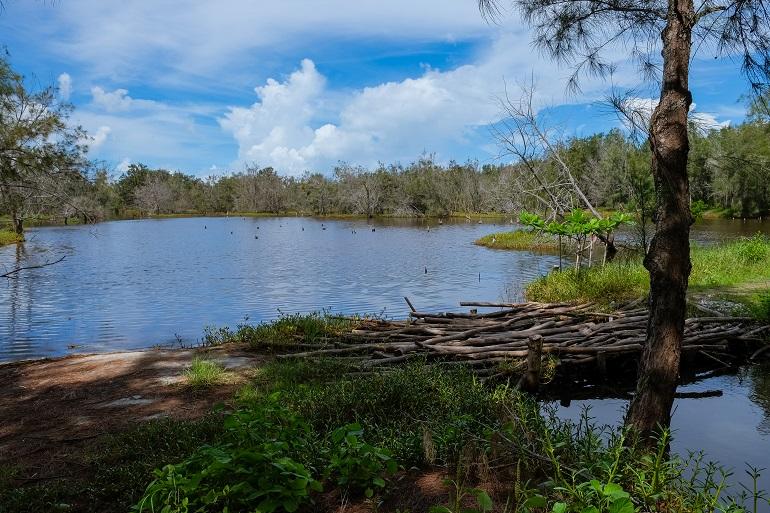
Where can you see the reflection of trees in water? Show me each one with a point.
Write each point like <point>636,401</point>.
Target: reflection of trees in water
<point>759,376</point>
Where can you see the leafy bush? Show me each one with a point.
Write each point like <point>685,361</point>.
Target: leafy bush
<point>698,208</point>
<point>356,465</point>
<point>254,470</point>
<point>231,478</point>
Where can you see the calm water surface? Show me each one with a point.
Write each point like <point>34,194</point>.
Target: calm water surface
<point>135,284</point>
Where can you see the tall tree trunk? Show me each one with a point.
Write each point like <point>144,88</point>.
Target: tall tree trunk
<point>668,259</point>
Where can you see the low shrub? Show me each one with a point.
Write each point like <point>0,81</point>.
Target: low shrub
<point>356,465</point>
<point>288,330</point>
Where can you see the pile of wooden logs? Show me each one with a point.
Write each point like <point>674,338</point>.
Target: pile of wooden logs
<point>509,336</point>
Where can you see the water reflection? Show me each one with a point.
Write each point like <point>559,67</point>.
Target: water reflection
<point>133,284</point>
<point>732,428</point>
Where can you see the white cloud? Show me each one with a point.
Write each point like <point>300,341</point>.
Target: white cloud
<point>640,111</point>
<point>99,137</point>
<point>65,86</point>
<point>96,139</point>
<point>118,40</point>
<point>122,166</point>
<point>290,127</point>
<point>114,101</point>
<point>172,136</point>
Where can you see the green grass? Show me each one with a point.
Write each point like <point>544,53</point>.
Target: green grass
<point>613,283</point>
<point>288,330</point>
<point>424,416</point>
<point>520,240</point>
<point>420,415</point>
<point>115,470</point>
<point>205,373</point>
<point>733,263</point>
<point>9,237</point>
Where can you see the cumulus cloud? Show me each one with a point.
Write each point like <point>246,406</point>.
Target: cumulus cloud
<point>65,86</point>
<point>113,101</point>
<point>289,127</point>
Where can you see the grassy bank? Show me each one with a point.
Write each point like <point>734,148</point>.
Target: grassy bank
<point>520,240</point>
<point>730,264</point>
<point>9,237</point>
<point>307,436</point>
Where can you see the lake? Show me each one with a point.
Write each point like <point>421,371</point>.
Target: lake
<point>136,284</point>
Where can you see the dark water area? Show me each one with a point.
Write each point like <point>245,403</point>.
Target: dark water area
<point>137,284</point>
<point>732,430</point>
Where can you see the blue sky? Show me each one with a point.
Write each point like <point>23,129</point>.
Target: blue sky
<point>301,84</point>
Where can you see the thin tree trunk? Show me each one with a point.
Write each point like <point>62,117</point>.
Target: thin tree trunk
<point>668,259</point>
<point>18,222</point>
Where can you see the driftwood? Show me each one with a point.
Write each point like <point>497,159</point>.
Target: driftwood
<point>516,338</point>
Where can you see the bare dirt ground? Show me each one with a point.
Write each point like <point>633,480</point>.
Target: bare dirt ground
<point>49,408</point>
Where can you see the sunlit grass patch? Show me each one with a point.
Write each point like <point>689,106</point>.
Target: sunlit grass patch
<point>205,373</point>
<point>616,282</point>
<point>520,240</point>
<point>732,263</point>
<point>10,237</point>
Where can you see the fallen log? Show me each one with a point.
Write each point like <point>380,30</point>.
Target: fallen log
<point>518,337</point>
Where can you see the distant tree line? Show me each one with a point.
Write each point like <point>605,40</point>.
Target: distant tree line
<point>730,170</point>
<point>44,174</point>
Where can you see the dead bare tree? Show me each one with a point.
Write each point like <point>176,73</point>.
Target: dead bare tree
<point>525,137</point>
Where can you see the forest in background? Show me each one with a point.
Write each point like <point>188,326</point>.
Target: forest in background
<point>729,172</point>
<point>46,177</point>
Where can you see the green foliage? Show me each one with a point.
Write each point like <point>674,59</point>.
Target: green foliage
<point>760,307</point>
<point>520,240</point>
<point>732,263</point>
<point>205,373</point>
<point>740,261</point>
<point>399,408</point>
<point>458,497</point>
<point>288,330</point>
<point>356,465</point>
<point>697,208</point>
<point>577,225</point>
<point>614,282</point>
<point>10,237</point>
<point>254,470</point>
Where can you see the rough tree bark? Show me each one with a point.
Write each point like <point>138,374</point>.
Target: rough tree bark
<point>668,259</point>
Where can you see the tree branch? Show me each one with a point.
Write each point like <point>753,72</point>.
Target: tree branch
<point>11,274</point>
